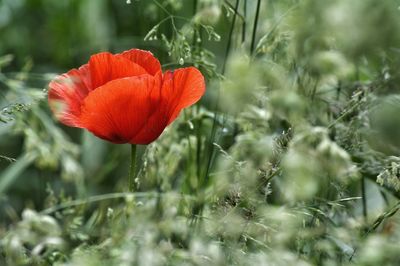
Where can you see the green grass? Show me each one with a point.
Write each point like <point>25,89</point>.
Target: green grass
<point>291,157</point>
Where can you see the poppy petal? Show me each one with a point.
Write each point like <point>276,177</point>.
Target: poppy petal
<point>118,110</point>
<point>66,94</point>
<point>158,117</point>
<point>105,67</point>
<point>182,88</point>
<point>144,59</point>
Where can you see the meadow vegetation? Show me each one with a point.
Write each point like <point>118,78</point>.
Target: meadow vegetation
<point>291,158</point>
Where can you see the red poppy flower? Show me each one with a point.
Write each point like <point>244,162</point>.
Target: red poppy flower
<point>124,98</point>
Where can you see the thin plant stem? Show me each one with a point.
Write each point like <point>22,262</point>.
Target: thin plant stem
<point>378,221</point>
<point>244,21</point>
<point>194,7</point>
<point>240,16</point>
<point>96,198</point>
<point>216,117</point>
<point>162,7</point>
<point>111,196</point>
<point>253,38</point>
<point>190,157</point>
<point>228,46</point>
<point>132,170</point>
<point>364,199</point>
<point>199,209</point>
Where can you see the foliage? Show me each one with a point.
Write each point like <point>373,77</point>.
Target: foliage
<point>291,158</point>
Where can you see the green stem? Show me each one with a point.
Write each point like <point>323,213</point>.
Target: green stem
<point>364,199</point>
<point>253,39</point>
<point>132,168</point>
<point>244,21</point>
<point>216,107</point>
<point>228,47</point>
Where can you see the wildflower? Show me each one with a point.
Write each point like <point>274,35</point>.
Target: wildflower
<point>124,98</point>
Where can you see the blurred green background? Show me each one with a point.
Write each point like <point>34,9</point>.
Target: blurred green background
<point>59,35</point>
<point>291,157</point>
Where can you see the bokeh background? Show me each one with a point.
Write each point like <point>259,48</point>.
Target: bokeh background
<point>291,157</point>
